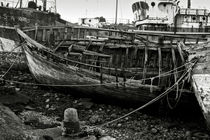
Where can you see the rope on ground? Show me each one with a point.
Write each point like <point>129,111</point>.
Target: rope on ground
<point>152,101</point>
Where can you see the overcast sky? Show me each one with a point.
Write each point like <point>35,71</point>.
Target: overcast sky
<point>72,10</point>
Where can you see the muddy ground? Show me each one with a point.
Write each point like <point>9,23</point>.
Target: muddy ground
<point>154,122</point>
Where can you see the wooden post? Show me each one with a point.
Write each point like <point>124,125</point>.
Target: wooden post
<point>124,76</point>
<point>174,63</point>
<point>116,74</point>
<point>101,76</point>
<point>145,63</point>
<point>159,64</point>
<point>36,31</point>
<point>78,33</point>
<point>44,35</point>
<point>180,52</point>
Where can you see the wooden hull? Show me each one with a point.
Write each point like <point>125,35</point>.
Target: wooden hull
<point>57,75</point>
<point>131,72</point>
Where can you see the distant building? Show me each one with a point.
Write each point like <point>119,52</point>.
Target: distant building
<point>92,22</point>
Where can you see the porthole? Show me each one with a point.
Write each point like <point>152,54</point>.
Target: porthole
<point>153,4</point>
<point>193,18</point>
<point>204,18</point>
<point>164,4</point>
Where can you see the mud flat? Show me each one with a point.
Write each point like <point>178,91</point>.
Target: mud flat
<point>49,105</point>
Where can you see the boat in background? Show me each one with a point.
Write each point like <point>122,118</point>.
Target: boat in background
<point>36,13</point>
<point>163,21</point>
<point>156,20</point>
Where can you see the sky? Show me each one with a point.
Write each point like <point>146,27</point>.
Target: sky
<point>72,10</point>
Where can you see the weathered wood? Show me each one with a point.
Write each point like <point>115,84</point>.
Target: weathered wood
<point>174,64</point>
<point>145,63</point>
<point>180,52</point>
<point>159,64</point>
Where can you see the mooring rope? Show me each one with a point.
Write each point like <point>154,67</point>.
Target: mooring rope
<point>152,101</point>
<point>87,85</point>
<point>2,76</point>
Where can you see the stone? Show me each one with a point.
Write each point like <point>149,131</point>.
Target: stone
<point>47,101</point>
<point>29,108</point>
<point>47,106</point>
<point>94,119</point>
<point>11,126</point>
<point>17,89</point>
<point>119,125</point>
<point>107,138</point>
<point>154,130</point>
<point>188,135</point>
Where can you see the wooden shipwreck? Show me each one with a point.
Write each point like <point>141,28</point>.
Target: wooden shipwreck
<point>102,62</point>
<point>117,64</point>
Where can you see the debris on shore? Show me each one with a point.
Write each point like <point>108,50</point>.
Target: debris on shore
<point>42,112</point>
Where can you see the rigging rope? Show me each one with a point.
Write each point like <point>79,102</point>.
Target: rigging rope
<point>152,101</point>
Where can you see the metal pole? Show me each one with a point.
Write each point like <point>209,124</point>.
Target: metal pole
<point>21,3</point>
<point>116,12</point>
<point>55,6</point>
<point>189,4</point>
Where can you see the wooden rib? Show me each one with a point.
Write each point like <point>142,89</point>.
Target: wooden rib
<point>145,63</point>
<point>174,63</point>
<point>180,52</point>
<point>159,64</point>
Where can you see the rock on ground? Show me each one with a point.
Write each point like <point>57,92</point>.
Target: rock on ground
<point>11,126</point>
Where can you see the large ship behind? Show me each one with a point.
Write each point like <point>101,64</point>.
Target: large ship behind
<point>165,17</point>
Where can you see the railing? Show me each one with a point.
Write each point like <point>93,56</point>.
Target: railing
<point>173,29</point>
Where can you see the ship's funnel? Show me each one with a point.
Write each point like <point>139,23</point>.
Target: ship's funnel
<point>189,4</point>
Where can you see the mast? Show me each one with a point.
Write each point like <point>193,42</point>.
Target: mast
<point>116,11</point>
<point>44,5</point>
<point>55,6</point>
<point>21,1</point>
<point>189,4</point>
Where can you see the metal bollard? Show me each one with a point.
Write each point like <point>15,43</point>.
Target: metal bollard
<point>71,122</point>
